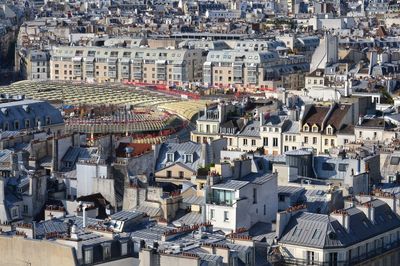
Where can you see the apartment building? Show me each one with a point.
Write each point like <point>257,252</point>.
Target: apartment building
<point>208,124</point>
<point>34,65</point>
<point>242,203</point>
<point>366,232</point>
<point>148,65</point>
<point>248,68</point>
<point>271,131</point>
<point>320,124</point>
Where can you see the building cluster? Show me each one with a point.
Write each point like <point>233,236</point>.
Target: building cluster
<point>200,133</point>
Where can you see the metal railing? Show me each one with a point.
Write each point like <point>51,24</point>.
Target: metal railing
<point>276,259</point>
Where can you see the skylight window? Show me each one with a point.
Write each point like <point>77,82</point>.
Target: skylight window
<point>297,231</point>
<point>317,234</point>
<point>394,160</point>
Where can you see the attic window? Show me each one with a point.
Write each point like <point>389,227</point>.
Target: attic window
<point>306,128</point>
<point>170,157</point>
<point>314,128</point>
<point>48,120</point>
<point>188,158</point>
<point>329,130</point>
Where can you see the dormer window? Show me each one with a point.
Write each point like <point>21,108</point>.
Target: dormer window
<point>314,128</point>
<point>16,125</point>
<point>306,128</point>
<point>27,123</point>
<point>329,130</point>
<point>4,111</point>
<point>170,157</point>
<point>48,120</point>
<point>188,158</point>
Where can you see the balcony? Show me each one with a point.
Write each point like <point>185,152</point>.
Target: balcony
<point>366,258</point>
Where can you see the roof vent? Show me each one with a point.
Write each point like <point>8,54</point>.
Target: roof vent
<point>332,235</point>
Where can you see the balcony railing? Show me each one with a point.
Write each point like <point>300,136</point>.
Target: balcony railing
<point>276,259</point>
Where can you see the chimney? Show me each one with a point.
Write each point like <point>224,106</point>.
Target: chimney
<point>343,218</point>
<point>261,118</point>
<point>55,154</point>
<point>203,155</point>
<point>389,199</point>
<point>283,218</point>
<point>346,89</point>
<point>84,215</point>
<point>2,192</point>
<point>369,210</point>
<point>360,120</point>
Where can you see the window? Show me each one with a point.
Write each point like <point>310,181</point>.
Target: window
<point>189,158</point>
<point>106,251</point>
<point>226,216</point>
<point>329,131</point>
<point>244,142</point>
<point>265,141</point>
<point>305,139</point>
<point>88,256</point>
<point>275,142</point>
<point>316,234</point>
<point>394,160</point>
<point>360,134</point>
<point>27,123</point>
<point>310,257</point>
<point>124,249</point>
<point>328,166</point>
<point>212,214</point>
<point>25,210</point>
<point>15,212</point>
<point>306,128</point>
<point>332,142</point>
<point>343,167</point>
<point>253,142</point>
<point>48,120</point>
<point>16,125</point>
<point>333,259</point>
<point>297,231</point>
<point>314,128</point>
<point>170,157</point>
<point>169,174</point>
<point>254,195</point>
<point>285,148</point>
<point>222,197</point>
<point>314,140</point>
<point>181,175</point>
<point>326,142</point>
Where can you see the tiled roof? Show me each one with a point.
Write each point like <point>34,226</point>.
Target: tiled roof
<point>316,115</point>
